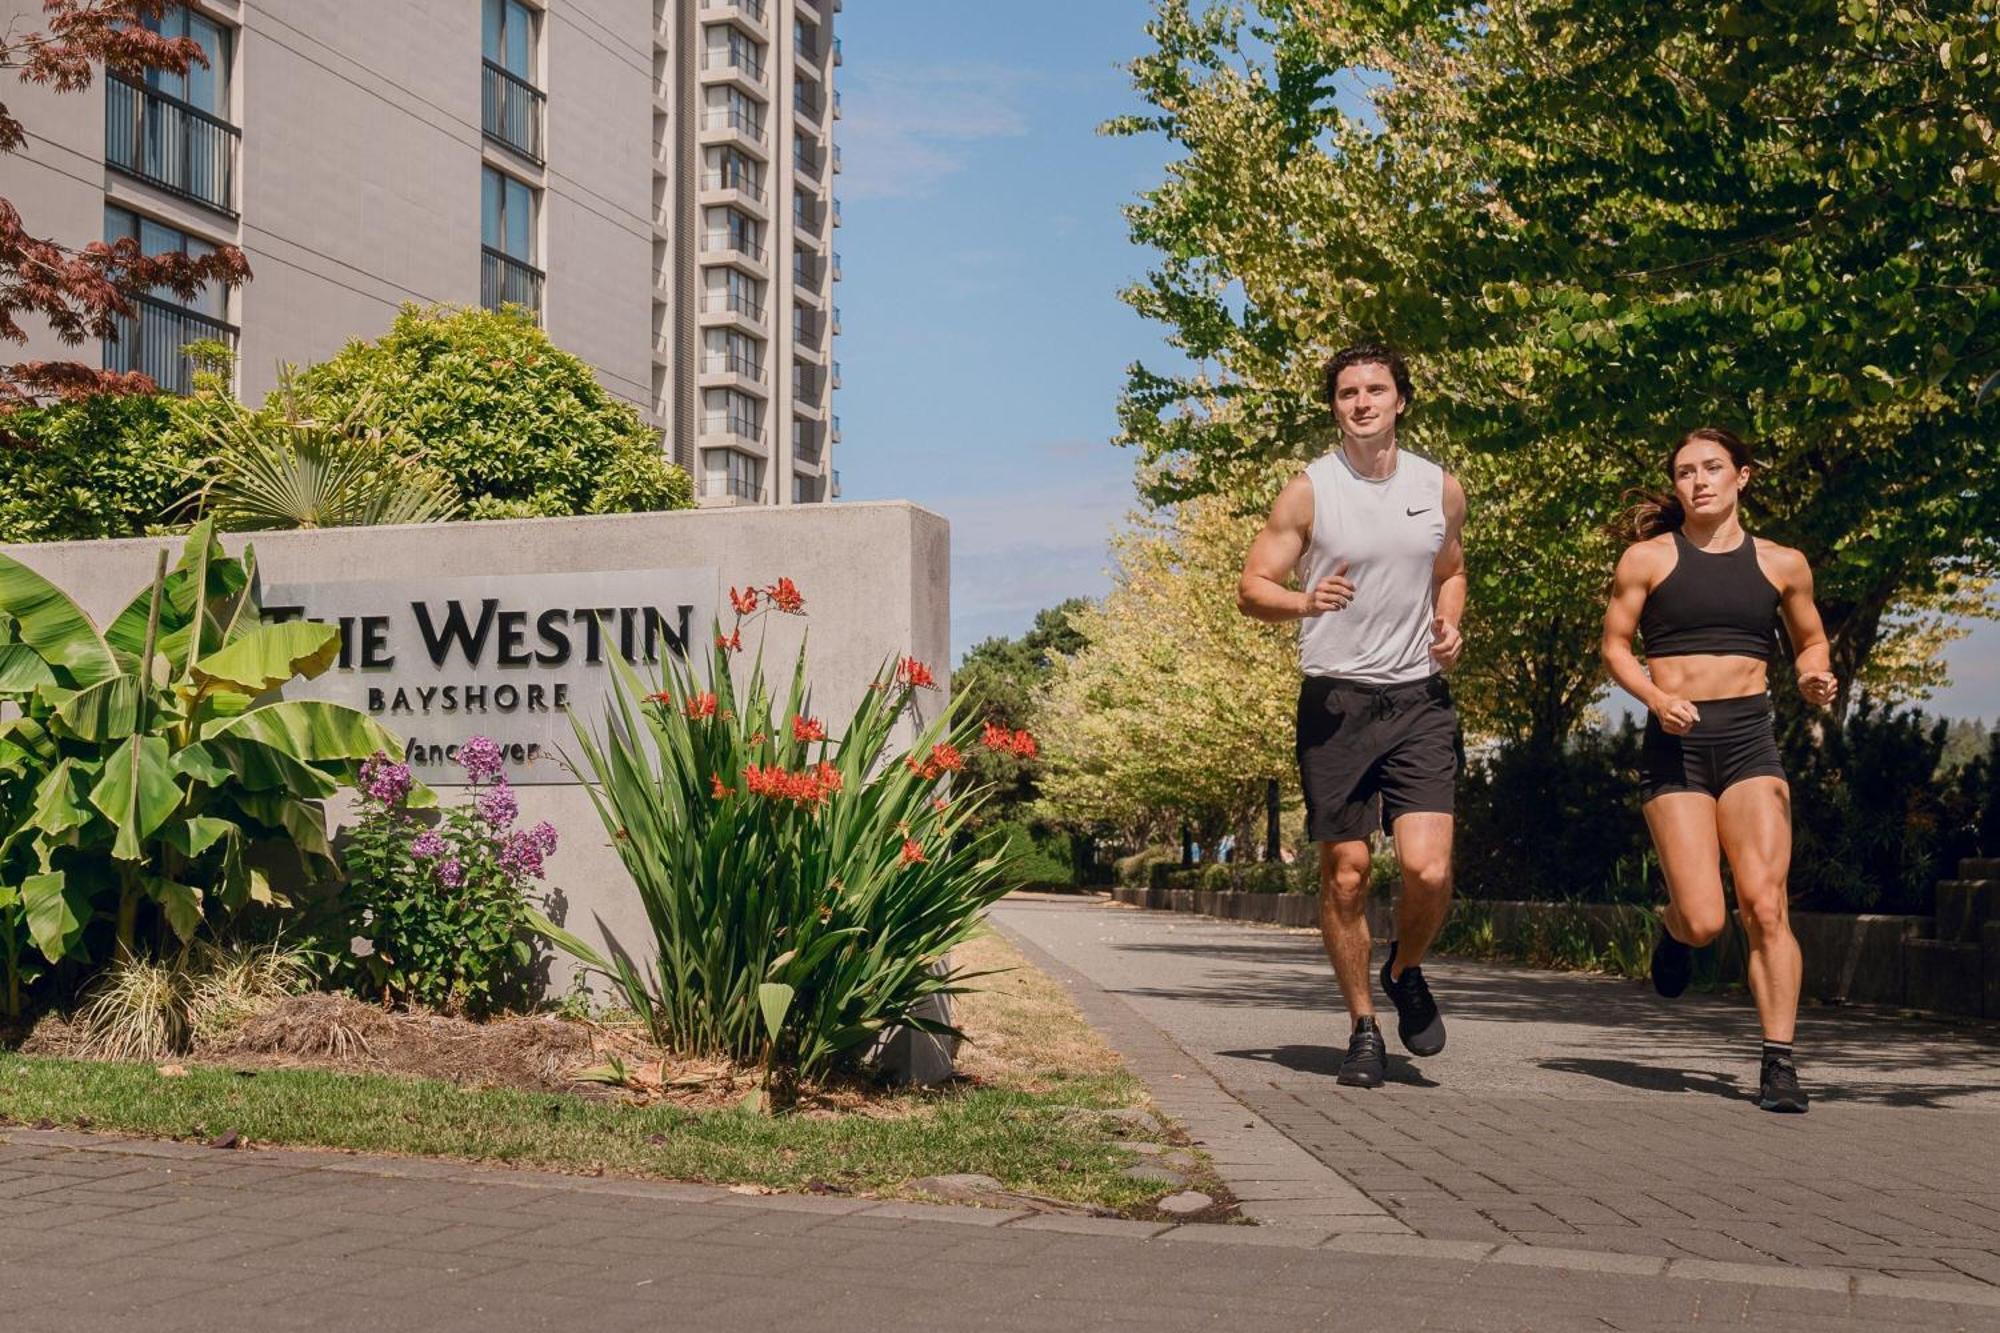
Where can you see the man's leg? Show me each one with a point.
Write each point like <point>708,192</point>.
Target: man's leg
<point>1343,920</point>
<point>1423,849</point>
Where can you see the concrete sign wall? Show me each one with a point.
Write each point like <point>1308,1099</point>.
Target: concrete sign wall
<point>535,606</point>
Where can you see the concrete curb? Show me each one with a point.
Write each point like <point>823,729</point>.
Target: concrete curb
<point>834,1211</point>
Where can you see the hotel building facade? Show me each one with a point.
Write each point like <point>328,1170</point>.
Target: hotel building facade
<point>655,178</point>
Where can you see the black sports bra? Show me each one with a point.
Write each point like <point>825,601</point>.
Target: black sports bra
<point>1712,603</point>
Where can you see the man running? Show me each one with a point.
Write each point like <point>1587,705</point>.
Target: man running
<point>1373,533</point>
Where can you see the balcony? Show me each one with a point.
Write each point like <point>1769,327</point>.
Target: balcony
<point>734,426</point>
<point>150,340</point>
<point>511,111</point>
<point>170,145</point>
<point>725,242</point>
<point>806,161</point>
<point>806,271</point>
<point>733,303</point>
<point>732,363</point>
<point>737,120</point>
<point>734,60</point>
<point>747,186</point>
<point>752,9</point>
<point>505,280</point>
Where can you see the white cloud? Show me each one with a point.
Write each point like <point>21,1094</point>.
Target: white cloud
<point>905,130</point>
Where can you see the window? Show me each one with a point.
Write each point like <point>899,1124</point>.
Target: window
<point>157,238</point>
<point>151,339</point>
<point>205,89</point>
<point>737,291</point>
<point>805,94</point>
<point>806,212</point>
<point>734,352</point>
<point>507,215</point>
<point>733,169</point>
<point>805,36</point>
<point>509,37</point>
<point>805,490</point>
<point>805,154</point>
<point>735,110</point>
<point>732,48</point>
<point>733,229</point>
<point>731,473</point>
<point>728,411</point>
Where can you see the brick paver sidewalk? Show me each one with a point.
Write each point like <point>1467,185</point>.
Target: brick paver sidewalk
<point>1581,1112</point>
<point>106,1234</point>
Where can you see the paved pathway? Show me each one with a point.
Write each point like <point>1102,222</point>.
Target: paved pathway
<point>1583,1113</point>
<point>105,1234</point>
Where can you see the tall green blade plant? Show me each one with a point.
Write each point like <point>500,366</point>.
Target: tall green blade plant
<point>803,889</point>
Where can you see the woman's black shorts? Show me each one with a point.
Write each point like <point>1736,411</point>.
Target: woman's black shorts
<point>1735,739</point>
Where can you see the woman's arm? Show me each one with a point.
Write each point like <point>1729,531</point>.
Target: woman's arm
<point>1812,652</point>
<point>1637,569</point>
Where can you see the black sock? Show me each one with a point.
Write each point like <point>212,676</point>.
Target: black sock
<point>1365,1023</point>
<point>1777,1050</point>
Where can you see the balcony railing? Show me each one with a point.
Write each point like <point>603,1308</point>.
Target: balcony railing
<point>725,57</point>
<point>742,245</point>
<point>744,121</point>
<point>806,98</point>
<point>151,339</point>
<point>806,271</point>
<point>748,186</point>
<point>505,280</point>
<point>733,363</point>
<point>512,111</point>
<point>806,161</point>
<point>733,423</point>
<point>170,144</point>
<point>753,8</point>
<point>723,302</point>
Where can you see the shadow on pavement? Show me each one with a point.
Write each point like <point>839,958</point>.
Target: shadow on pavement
<point>1651,1078</point>
<point>1326,1060</point>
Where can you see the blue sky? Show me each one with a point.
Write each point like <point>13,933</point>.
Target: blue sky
<point>983,343</point>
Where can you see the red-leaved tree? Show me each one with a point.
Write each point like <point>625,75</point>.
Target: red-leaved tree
<point>82,293</point>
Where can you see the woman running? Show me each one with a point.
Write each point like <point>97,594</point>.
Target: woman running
<point>1706,597</point>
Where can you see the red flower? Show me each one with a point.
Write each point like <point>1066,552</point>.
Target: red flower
<point>662,698</point>
<point>807,729</point>
<point>940,804</point>
<point>829,777</point>
<point>947,758</point>
<point>784,595</point>
<point>809,787</point>
<point>757,738</point>
<point>717,789</point>
<point>1024,745</point>
<point>996,738</point>
<point>913,852</point>
<point>701,705</point>
<point>745,602</point>
<point>732,641</point>
<point>911,672</point>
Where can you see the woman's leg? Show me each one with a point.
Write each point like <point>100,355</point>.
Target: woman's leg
<point>1754,818</point>
<point>1683,825</point>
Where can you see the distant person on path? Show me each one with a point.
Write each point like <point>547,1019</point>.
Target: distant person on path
<point>1706,597</point>
<point>1372,531</point>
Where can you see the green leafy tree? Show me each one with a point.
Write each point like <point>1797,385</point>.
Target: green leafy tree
<point>97,467</point>
<point>998,679</point>
<point>1595,224</point>
<point>146,775</point>
<point>519,426</point>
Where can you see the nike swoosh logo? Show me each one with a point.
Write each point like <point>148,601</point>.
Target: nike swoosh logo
<point>1414,512</point>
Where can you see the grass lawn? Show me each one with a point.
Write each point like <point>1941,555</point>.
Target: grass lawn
<point>1028,1115</point>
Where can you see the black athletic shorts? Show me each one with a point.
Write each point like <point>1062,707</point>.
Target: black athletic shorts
<point>1360,746</point>
<point>1735,739</point>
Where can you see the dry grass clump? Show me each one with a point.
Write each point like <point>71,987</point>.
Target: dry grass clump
<point>1022,1029</point>
<point>148,1010</point>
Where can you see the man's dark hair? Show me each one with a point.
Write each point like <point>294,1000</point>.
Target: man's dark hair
<point>1370,354</point>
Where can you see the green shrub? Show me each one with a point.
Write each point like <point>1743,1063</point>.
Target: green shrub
<point>1267,877</point>
<point>520,427</point>
<point>1034,860</point>
<point>1217,878</point>
<point>804,884</point>
<point>1137,869</point>
<point>144,779</point>
<point>105,466</point>
<point>438,914</point>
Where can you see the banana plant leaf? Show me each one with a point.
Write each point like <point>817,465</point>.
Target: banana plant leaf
<point>53,625</point>
<point>270,655</point>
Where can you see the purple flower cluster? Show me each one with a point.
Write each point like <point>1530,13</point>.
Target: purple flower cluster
<point>384,781</point>
<point>428,844</point>
<point>451,873</point>
<point>497,805</point>
<point>480,758</point>
<point>523,853</point>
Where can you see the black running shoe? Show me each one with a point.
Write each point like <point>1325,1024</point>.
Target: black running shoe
<point>1779,1088</point>
<point>1367,1062</point>
<point>1417,1019</point>
<point>1673,965</point>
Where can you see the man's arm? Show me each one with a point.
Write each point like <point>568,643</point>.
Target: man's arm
<point>1261,593</point>
<point>1448,580</point>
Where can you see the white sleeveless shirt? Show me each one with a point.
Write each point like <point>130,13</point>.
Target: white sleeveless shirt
<point>1389,533</point>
